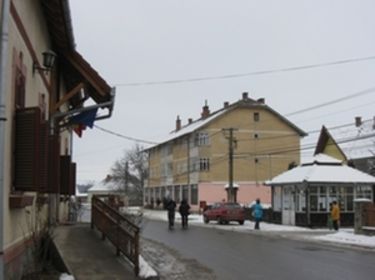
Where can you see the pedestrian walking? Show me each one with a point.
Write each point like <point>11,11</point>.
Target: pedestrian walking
<point>171,208</point>
<point>329,217</point>
<point>257,213</point>
<point>335,215</point>
<point>184,210</point>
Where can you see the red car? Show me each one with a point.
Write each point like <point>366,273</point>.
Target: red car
<point>224,212</point>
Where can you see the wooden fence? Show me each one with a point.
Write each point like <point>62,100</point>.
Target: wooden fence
<point>122,233</point>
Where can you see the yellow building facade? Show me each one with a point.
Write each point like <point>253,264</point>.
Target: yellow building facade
<point>193,162</point>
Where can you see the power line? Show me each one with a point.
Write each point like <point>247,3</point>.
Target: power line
<point>124,136</point>
<point>254,73</point>
<point>350,96</point>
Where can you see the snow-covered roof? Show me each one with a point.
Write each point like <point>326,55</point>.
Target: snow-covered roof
<point>321,170</point>
<point>191,127</point>
<point>321,158</point>
<point>103,186</point>
<point>355,141</point>
<point>188,128</point>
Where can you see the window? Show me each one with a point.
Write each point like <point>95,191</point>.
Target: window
<point>256,135</point>
<point>202,139</point>
<point>185,192</point>
<point>256,117</point>
<point>177,193</point>
<point>364,192</point>
<point>194,194</point>
<point>301,201</point>
<point>166,150</point>
<point>204,164</point>
<point>321,196</point>
<point>277,198</point>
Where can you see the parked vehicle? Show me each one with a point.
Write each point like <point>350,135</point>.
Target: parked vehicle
<point>224,212</point>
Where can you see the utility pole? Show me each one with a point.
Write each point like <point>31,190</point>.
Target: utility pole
<point>231,197</point>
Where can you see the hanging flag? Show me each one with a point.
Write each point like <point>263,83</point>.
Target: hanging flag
<point>78,128</point>
<point>85,118</point>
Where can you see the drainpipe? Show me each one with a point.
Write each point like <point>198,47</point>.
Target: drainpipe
<point>54,198</point>
<point>4,38</point>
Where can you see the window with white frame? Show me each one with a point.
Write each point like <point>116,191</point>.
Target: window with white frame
<point>202,139</point>
<point>363,192</point>
<point>204,164</point>
<point>320,198</point>
<point>277,198</point>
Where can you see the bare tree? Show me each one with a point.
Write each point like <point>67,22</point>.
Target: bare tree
<point>130,173</point>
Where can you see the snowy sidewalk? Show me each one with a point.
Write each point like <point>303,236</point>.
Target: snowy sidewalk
<point>86,256</point>
<point>344,237</point>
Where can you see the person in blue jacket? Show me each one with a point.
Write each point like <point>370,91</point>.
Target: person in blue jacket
<point>257,213</point>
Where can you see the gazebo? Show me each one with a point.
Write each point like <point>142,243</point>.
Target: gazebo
<point>301,196</point>
<point>103,188</point>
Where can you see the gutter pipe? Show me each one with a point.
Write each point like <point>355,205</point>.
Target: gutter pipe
<point>4,38</point>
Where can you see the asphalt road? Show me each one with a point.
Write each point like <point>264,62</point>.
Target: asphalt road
<point>230,255</point>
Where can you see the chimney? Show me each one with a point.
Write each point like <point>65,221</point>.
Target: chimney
<point>226,104</point>
<point>261,100</point>
<point>205,111</point>
<point>190,120</point>
<point>178,123</point>
<point>358,121</point>
<point>245,95</point>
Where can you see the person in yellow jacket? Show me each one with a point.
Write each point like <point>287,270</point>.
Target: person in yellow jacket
<point>335,215</point>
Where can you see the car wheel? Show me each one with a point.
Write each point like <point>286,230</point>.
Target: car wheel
<point>241,222</point>
<point>206,219</point>
<point>220,220</point>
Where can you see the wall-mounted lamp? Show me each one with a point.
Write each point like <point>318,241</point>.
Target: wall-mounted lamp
<point>48,61</point>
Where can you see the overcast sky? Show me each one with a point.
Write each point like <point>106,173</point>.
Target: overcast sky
<point>162,40</point>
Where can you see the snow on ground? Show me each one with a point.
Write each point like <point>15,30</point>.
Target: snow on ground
<point>348,237</point>
<point>343,236</point>
<point>66,276</point>
<point>145,270</point>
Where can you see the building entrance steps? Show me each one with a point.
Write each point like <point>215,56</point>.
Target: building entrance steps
<point>87,256</point>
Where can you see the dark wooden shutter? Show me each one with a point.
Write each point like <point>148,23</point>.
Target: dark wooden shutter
<point>43,157</point>
<point>65,170</point>
<point>53,164</point>
<point>27,149</point>
<point>72,185</point>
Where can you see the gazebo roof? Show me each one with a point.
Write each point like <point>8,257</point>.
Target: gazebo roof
<point>322,169</point>
<point>103,186</point>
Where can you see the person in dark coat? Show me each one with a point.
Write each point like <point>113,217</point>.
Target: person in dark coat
<point>184,212</point>
<point>171,208</point>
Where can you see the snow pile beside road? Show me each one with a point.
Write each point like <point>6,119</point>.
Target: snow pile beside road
<point>145,270</point>
<point>349,238</point>
<point>66,276</point>
<point>344,236</point>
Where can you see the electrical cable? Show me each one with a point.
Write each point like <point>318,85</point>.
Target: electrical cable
<point>254,73</point>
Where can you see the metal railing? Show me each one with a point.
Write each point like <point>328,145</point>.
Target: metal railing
<point>122,233</point>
